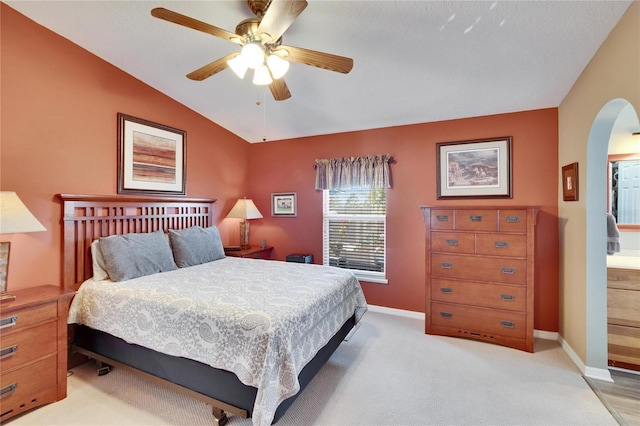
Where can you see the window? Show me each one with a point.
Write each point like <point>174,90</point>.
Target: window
<point>354,231</point>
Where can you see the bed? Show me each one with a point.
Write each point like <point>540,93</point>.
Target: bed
<point>243,335</point>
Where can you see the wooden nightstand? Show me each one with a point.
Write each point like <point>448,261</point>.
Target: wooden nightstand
<point>254,252</point>
<point>33,349</point>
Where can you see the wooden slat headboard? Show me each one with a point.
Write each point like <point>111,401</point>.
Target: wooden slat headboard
<point>86,218</point>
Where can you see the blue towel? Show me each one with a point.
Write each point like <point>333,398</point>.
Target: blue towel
<point>613,235</point>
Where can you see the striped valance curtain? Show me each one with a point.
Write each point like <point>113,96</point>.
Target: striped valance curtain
<point>354,172</point>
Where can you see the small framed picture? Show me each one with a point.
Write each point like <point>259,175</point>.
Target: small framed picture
<point>474,169</point>
<point>5,246</point>
<point>284,204</point>
<point>151,157</point>
<point>570,182</point>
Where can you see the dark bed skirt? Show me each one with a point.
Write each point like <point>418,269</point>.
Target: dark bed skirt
<point>219,384</point>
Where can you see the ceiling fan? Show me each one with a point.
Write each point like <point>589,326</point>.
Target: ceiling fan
<point>262,48</point>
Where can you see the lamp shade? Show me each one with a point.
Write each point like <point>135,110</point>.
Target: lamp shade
<point>244,209</point>
<point>15,217</point>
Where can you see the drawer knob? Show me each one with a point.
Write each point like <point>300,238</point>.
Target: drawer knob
<point>446,290</point>
<point>475,218</point>
<point>508,297</point>
<point>507,324</point>
<point>445,265</point>
<point>508,271</point>
<point>7,352</point>
<point>452,242</point>
<point>8,322</point>
<point>501,244</point>
<point>442,218</point>
<point>447,315</point>
<point>8,390</point>
<point>512,219</point>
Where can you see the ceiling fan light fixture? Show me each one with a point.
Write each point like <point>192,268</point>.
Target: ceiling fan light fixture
<point>253,54</point>
<point>238,66</point>
<point>262,77</point>
<point>278,66</point>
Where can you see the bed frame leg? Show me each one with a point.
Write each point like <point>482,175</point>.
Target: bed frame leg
<point>220,416</point>
<point>102,368</point>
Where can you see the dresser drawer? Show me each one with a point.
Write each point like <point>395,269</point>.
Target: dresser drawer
<point>27,345</point>
<point>501,245</point>
<point>17,320</point>
<point>476,220</point>
<point>18,385</point>
<point>508,297</point>
<point>481,320</point>
<point>513,221</point>
<point>442,219</point>
<point>476,268</point>
<point>453,242</point>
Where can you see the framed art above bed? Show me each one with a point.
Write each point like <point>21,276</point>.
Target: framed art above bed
<point>151,157</point>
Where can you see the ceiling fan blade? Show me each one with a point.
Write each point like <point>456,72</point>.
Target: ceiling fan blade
<point>186,21</point>
<point>211,68</point>
<point>279,16</point>
<point>326,61</point>
<point>279,90</point>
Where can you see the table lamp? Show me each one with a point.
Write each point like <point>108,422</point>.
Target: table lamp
<point>15,218</point>
<point>245,210</point>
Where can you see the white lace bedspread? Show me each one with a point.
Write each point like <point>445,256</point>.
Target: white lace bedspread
<point>263,320</point>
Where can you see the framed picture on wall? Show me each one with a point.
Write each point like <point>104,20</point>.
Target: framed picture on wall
<point>151,157</point>
<point>570,182</point>
<point>284,204</point>
<point>474,169</point>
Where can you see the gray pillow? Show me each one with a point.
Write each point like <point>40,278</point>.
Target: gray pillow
<point>196,245</point>
<point>136,255</point>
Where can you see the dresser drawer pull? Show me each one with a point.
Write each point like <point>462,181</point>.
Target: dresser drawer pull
<point>501,244</point>
<point>7,352</point>
<point>447,315</point>
<point>446,290</point>
<point>8,322</point>
<point>444,265</point>
<point>452,242</point>
<point>512,219</point>
<point>8,390</point>
<point>508,271</point>
<point>508,297</point>
<point>507,324</point>
<point>475,218</point>
<point>442,218</point>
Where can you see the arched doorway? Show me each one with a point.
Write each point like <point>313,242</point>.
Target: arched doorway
<point>601,132</point>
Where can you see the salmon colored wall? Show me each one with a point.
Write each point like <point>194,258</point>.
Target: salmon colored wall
<point>287,166</point>
<point>59,106</point>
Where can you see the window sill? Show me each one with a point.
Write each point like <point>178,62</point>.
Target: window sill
<point>370,278</point>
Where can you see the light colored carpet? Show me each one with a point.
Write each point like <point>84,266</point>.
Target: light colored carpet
<point>388,373</point>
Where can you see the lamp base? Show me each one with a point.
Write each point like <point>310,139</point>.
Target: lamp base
<point>244,234</point>
<point>6,297</point>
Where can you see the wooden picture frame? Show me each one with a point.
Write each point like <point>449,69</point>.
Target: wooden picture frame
<point>570,182</point>
<point>474,169</point>
<point>5,248</point>
<point>284,204</point>
<point>151,157</point>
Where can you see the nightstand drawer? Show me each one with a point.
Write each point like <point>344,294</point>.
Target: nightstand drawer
<point>19,319</point>
<point>19,348</point>
<point>20,386</point>
<point>502,245</point>
<point>507,297</point>
<point>489,321</point>
<point>477,268</point>
<point>453,242</point>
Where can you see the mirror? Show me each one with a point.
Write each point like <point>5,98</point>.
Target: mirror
<point>624,189</point>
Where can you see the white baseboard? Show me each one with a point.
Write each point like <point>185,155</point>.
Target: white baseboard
<point>546,335</point>
<point>397,312</point>
<point>591,372</point>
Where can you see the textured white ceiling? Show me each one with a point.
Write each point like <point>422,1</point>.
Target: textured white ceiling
<point>414,61</point>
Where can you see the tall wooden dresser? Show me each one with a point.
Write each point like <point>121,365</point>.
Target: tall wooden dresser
<point>33,353</point>
<point>480,273</point>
